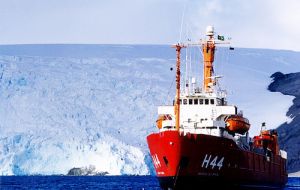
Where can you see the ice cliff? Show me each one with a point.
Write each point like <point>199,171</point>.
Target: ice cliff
<point>75,106</point>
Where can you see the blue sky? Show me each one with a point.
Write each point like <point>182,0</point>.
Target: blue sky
<point>254,23</point>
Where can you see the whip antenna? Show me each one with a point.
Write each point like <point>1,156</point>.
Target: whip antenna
<point>182,17</point>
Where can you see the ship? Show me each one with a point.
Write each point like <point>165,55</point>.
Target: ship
<point>203,141</point>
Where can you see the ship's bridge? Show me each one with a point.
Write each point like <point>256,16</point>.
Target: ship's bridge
<point>199,113</point>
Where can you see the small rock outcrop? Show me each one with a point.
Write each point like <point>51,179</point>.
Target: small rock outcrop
<point>86,171</point>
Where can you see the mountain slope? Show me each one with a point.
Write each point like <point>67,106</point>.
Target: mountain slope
<point>66,106</point>
<point>289,132</point>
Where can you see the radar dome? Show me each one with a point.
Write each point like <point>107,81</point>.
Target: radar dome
<point>209,30</point>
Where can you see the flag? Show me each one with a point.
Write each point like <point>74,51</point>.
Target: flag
<point>221,38</point>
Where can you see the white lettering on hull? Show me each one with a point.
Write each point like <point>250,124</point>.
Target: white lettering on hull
<point>212,163</point>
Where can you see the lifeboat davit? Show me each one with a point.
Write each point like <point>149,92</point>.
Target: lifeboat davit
<point>237,124</point>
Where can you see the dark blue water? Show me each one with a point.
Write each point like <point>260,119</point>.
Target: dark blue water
<point>93,182</point>
<point>293,183</point>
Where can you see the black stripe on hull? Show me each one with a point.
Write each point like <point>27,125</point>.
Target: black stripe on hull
<point>208,183</point>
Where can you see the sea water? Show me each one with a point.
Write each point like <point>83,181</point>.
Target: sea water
<point>94,182</point>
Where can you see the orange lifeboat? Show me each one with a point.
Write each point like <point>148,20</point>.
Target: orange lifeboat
<point>237,124</point>
<point>162,118</point>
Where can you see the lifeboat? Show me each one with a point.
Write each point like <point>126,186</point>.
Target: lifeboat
<point>162,118</point>
<point>237,124</point>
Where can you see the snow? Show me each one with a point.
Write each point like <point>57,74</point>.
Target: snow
<point>66,106</point>
<point>36,155</point>
<point>295,174</point>
<point>247,78</point>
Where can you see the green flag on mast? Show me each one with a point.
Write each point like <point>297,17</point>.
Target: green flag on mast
<point>221,38</point>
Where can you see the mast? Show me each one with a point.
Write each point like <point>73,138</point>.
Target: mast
<point>177,98</point>
<point>208,49</point>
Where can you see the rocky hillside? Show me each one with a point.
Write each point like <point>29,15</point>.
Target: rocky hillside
<point>289,139</point>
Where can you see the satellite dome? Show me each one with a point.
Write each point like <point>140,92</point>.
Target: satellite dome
<point>209,30</point>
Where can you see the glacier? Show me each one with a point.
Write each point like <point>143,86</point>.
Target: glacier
<point>296,174</point>
<point>66,106</point>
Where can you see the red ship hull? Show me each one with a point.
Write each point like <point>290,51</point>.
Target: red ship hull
<point>197,160</point>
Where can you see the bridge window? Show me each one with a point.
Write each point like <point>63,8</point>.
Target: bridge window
<point>200,101</point>
<point>219,102</point>
<point>196,101</point>
<point>184,101</point>
<point>206,101</point>
<point>212,101</point>
<point>190,101</point>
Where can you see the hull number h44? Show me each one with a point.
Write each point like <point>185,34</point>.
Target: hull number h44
<point>212,162</point>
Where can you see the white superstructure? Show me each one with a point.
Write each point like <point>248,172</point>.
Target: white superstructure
<point>200,113</point>
<point>199,110</point>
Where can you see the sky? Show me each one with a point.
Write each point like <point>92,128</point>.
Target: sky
<point>272,24</point>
